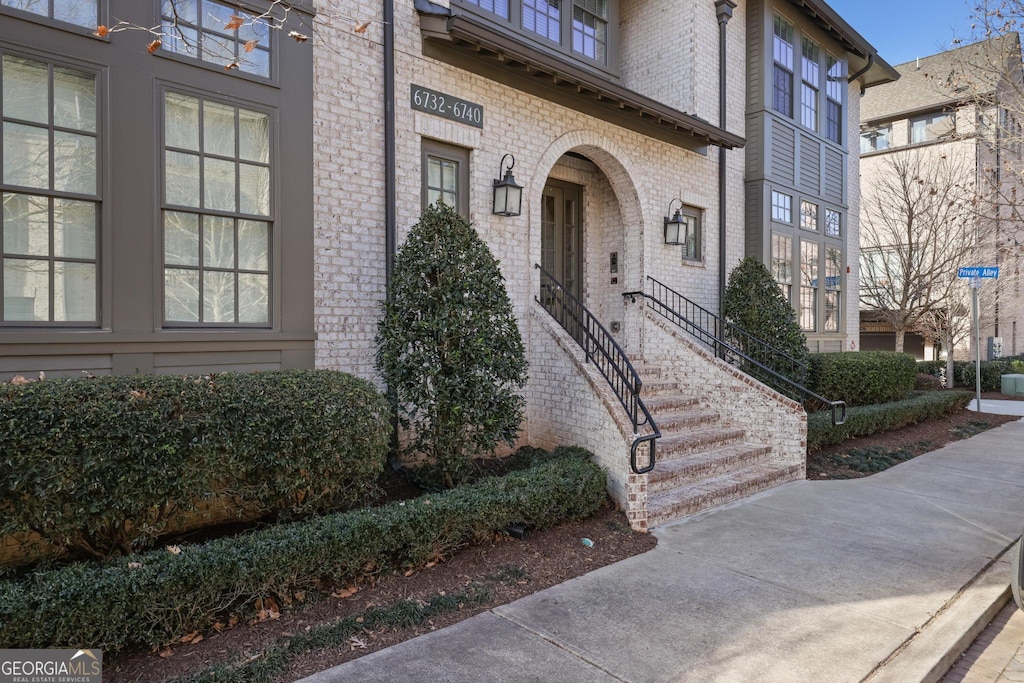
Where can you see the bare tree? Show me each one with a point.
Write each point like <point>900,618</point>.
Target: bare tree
<point>918,225</point>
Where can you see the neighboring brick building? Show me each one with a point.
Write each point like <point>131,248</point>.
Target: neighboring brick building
<point>211,256</point>
<point>956,112</point>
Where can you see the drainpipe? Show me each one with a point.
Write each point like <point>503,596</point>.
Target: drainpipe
<point>723,8</point>
<point>389,144</point>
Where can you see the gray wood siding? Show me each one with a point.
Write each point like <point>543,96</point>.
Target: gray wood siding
<point>810,164</point>
<point>833,176</point>
<point>783,152</point>
<point>754,237</point>
<point>756,31</point>
<point>755,165</point>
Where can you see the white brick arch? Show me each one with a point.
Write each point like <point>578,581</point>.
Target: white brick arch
<point>618,168</point>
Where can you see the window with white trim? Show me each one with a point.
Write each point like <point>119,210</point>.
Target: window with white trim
<point>50,190</point>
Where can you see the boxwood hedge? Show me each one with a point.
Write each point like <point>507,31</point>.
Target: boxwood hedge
<point>102,465</point>
<point>863,377</point>
<point>151,598</point>
<point>865,420</point>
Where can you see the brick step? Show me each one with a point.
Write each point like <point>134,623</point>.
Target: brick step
<point>692,441</point>
<point>657,386</point>
<point>672,421</point>
<point>669,402</point>
<point>689,500</point>
<point>700,467</point>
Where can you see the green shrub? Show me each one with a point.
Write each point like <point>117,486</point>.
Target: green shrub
<point>754,303</point>
<point>866,420</point>
<point>151,598</point>
<point>991,374</point>
<point>863,377</point>
<point>103,465</point>
<point>449,347</point>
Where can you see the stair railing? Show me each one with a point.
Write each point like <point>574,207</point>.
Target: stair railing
<point>733,345</point>
<point>601,349</point>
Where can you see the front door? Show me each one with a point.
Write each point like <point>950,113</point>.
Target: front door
<point>561,235</point>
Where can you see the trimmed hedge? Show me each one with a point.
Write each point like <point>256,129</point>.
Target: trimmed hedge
<point>102,465</point>
<point>963,371</point>
<point>154,597</point>
<point>863,377</point>
<point>865,420</point>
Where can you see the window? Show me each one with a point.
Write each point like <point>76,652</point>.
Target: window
<point>782,263</point>
<point>782,88</point>
<point>499,7</point>
<point>874,139</point>
<point>833,287</point>
<point>590,29</point>
<point>809,89</point>
<point>808,215</point>
<point>217,209</point>
<point>543,17</point>
<point>84,13</point>
<point>782,207</point>
<point>932,127</point>
<point>690,233</point>
<point>833,223</point>
<point>446,176</point>
<point>50,193</point>
<point>835,84</point>
<point>808,285</point>
<point>198,29</point>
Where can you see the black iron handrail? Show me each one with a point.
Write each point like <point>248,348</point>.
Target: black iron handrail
<point>732,344</point>
<point>601,348</point>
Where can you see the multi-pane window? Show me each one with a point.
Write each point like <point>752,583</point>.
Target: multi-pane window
<point>499,7</point>
<point>808,215</point>
<point>214,32</point>
<point>543,17</point>
<point>808,285</point>
<point>445,176</point>
<point>84,13</point>
<point>782,263</point>
<point>833,223</point>
<point>835,84</point>
<point>833,287</point>
<point>50,192</point>
<point>782,207</point>
<point>442,181</point>
<point>874,139</point>
<point>782,78</point>
<point>932,127</point>
<point>811,70</point>
<point>590,29</point>
<point>690,233</point>
<point>217,208</point>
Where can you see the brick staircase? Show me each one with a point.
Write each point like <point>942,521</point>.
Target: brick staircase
<point>700,463</point>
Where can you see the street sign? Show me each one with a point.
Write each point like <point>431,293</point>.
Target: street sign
<point>978,271</point>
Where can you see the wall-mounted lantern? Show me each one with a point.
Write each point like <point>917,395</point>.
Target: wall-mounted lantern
<point>508,196</point>
<point>675,232</point>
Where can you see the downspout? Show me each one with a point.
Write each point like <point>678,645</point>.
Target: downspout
<point>390,220</point>
<point>389,145</point>
<point>853,77</point>
<point>723,8</point>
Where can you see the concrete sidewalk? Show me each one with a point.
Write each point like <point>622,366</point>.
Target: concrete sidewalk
<point>887,578</point>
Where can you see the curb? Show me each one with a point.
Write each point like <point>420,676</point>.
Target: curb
<point>928,654</point>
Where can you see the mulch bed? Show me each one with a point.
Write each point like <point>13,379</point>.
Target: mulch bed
<point>510,568</point>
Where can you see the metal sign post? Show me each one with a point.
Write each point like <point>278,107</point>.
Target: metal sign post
<point>976,274</point>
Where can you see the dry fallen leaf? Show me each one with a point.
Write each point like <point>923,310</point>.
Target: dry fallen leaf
<point>298,37</point>
<point>101,31</point>
<point>153,47</point>
<point>250,45</point>
<point>232,65</point>
<point>166,652</point>
<point>362,27</point>
<point>357,643</point>
<point>234,22</point>
<point>18,380</point>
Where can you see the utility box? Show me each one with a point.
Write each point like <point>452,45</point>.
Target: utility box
<point>1012,385</point>
<point>995,348</point>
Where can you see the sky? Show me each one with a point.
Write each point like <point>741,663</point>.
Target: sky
<point>903,31</point>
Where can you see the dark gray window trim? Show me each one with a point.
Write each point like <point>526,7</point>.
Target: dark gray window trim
<point>61,25</point>
<point>513,25</point>
<point>460,155</point>
<point>697,214</point>
<point>102,222</point>
<point>274,274</point>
